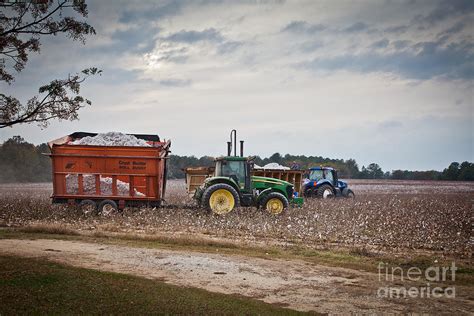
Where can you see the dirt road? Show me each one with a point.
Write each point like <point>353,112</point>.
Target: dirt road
<point>296,284</point>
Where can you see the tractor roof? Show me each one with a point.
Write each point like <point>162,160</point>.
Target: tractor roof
<point>232,158</point>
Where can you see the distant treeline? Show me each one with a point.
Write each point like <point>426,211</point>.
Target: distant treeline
<point>21,161</point>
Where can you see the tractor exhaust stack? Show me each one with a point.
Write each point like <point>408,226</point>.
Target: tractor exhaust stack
<point>232,145</point>
<point>234,141</point>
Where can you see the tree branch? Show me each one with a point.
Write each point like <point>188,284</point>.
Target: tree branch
<point>15,30</point>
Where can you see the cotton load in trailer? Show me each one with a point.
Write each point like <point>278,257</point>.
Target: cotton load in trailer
<point>107,177</point>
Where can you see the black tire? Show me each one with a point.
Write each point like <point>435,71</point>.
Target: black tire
<point>324,188</point>
<point>275,195</point>
<point>347,193</point>
<point>88,207</point>
<point>308,192</point>
<point>107,207</point>
<point>206,196</point>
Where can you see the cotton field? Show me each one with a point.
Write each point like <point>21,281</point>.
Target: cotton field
<point>385,216</point>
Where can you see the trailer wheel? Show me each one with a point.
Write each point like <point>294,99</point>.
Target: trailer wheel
<point>107,207</point>
<point>325,192</point>
<point>348,193</point>
<point>88,207</point>
<point>275,202</point>
<point>220,198</point>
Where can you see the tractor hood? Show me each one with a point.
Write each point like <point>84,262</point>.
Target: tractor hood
<point>270,181</point>
<point>341,184</point>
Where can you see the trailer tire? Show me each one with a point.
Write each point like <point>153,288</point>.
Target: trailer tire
<point>275,203</point>
<point>325,192</point>
<point>107,207</point>
<point>220,198</point>
<point>88,207</point>
<point>348,193</point>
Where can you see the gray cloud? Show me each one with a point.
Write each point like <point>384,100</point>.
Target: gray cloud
<point>356,27</point>
<point>153,12</point>
<point>184,36</point>
<point>303,27</point>
<point>456,28</point>
<point>445,10</point>
<point>383,43</point>
<point>175,82</point>
<point>228,47</point>
<point>224,46</point>
<point>398,29</point>
<point>310,46</point>
<point>401,44</point>
<point>456,61</point>
<point>139,39</point>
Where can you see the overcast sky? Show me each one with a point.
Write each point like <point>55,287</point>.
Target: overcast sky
<point>379,81</point>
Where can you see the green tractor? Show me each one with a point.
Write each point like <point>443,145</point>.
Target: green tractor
<point>232,185</point>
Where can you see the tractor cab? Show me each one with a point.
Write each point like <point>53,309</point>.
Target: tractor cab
<point>236,168</point>
<point>323,173</point>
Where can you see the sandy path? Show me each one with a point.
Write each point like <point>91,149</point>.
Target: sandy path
<point>296,284</point>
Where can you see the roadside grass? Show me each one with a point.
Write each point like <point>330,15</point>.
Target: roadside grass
<point>37,286</point>
<point>352,258</point>
<point>48,229</point>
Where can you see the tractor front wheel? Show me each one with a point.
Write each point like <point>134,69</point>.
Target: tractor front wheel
<point>348,193</point>
<point>275,202</point>
<point>220,198</point>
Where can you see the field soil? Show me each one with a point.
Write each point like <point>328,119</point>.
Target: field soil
<point>291,283</point>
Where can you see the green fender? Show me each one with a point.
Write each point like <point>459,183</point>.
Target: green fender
<point>215,180</point>
<point>263,193</point>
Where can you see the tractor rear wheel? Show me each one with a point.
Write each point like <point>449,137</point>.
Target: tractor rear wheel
<point>325,192</point>
<point>275,202</point>
<point>220,198</point>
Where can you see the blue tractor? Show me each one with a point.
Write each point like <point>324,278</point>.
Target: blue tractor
<point>322,182</point>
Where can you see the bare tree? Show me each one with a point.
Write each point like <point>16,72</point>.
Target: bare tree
<point>22,24</point>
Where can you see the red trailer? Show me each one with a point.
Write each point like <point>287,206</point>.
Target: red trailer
<point>109,177</point>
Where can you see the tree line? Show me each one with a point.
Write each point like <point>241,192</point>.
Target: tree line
<point>21,161</point>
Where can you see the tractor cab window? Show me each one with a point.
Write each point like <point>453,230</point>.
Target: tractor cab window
<point>316,175</point>
<point>232,169</point>
<point>329,176</point>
